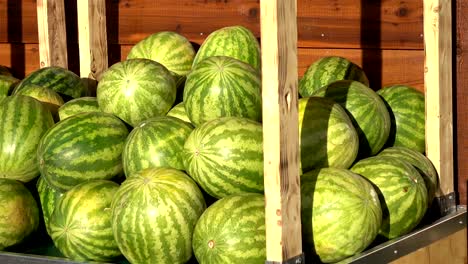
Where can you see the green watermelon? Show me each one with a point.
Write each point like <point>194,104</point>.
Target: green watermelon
<point>327,70</point>
<point>19,216</point>
<point>83,147</point>
<point>7,84</point>
<point>232,230</point>
<point>81,226</point>
<point>222,86</point>
<point>48,198</point>
<point>156,142</point>
<point>135,90</point>
<point>402,193</point>
<point>421,163</point>
<point>5,71</point>
<point>179,111</point>
<point>407,112</point>
<point>60,80</point>
<point>225,156</point>
<point>79,105</point>
<point>340,211</point>
<point>327,137</point>
<point>367,111</point>
<point>154,213</point>
<point>24,120</point>
<point>234,41</point>
<point>170,49</point>
<point>51,99</point>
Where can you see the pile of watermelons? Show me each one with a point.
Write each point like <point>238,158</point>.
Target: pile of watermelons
<point>165,163</point>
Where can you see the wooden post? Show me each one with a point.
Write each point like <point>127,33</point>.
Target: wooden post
<point>281,131</point>
<point>92,39</point>
<point>52,33</point>
<point>438,88</point>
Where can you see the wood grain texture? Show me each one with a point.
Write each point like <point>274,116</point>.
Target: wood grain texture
<point>280,130</point>
<point>438,87</point>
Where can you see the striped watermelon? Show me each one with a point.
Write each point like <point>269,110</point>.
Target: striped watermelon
<point>421,163</point>
<point>84,147</point>
<point>340,211</point>
<point>48,198</point>
<point>135,90</point>
<point>179,111</point>
<point>154,213</point>
<point>235,41</point>
<point>402,193</point>
<point>170,49</point>
<point>222,86</point>
<point>24,120</point>
<point>60,80</point>
<point>156,142</point>
<point>367,111</point>
<point>407,112</point>
<point>232,230</point>
<point>7,84</point>
<point>327,137</point>
<point>78,105</point>
<point>327,70</point>
<point>81,226</point>
<point>19,216</point>
<point>225,156</point>
<point>51,99</point>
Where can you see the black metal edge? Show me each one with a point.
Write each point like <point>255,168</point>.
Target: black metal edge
<point>295,260</point>
<point>399,247</point>
<point>18,258</point>
<point>445,204</point>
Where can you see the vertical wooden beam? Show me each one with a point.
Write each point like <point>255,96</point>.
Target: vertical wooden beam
<point>438,88</point>
<point>52,33</point>
<point>281,130</point>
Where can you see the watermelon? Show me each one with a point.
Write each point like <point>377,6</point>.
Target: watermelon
<point>327,70</point>
<point>234,41</point>
<point>225,156</point>
<point>222,86</point>
<point>170,49</point>
<point>51,99</point>
<point>24,120</point>
<point>154,213</point>
<point>60,80</point>
<point>179,111</point>
<point>407,112</point>
<point>421,163</point>
<point>327,137</point>
<point>83,147</point>
<point>232,230</point>
<point>340,211</point>
<point>79,105</point>
<point>81,226</point>
<point>19,216</point>
<point>5,71</point>
<point>156,142</point>
<point>402,193</point>
<point>367,111</point>
<point>48,198</point>
<point>135,90</point>
<point>7,84</point>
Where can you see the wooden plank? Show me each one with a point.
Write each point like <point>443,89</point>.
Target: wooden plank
<point>52,33</point>
<point>438,86</point>
<point>281,130</point>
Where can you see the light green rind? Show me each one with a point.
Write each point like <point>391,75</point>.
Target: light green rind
<point>83,147</point>
<point>49,198</point>
<point>156,142</point>
<point>77,106</point>
<point>51,99</point>
<point>234,41</point>
<point>154,213</point>
<point>340,211</point>
<point>24,120</point>
<point>225,156</point>
<point>232,231</point>
<point>402,193</point>
<point>81,226</point>
<point>7,84</point>
<point>406,106</point>
<point>135,90</point>
<point>327,136</point>
<point>222,86</point>
<point>179,112</point>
